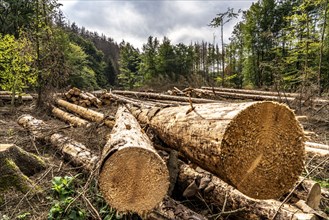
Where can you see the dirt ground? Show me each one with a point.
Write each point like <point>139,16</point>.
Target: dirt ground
<point>17,205</point>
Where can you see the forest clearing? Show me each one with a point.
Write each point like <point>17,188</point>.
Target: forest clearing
<point>164,109</point>
<point>99,156</point>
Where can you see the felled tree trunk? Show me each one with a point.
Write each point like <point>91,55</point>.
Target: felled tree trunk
<point>257,147</point>
<point>37,127</point>
<point>133,177</point>
<point>247,91</point>
<point>73,151</point>
<point>163,96</point>
<point>15,167</point>
<point>232,95</point>
<point>67,117</point>
<point>260,95</point>
<point>85,112</point>
<point>107,97</point>
<point>220,194</point>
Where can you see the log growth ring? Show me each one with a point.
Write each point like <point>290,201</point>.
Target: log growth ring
<point>134,179</point>
<point>265,145</point>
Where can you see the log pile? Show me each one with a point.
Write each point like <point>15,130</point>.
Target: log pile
<point>244,94</point>
<point>257,150</point>
<point>6,97</point>
<point>173,122</point>
<point>82,98</point>
<point>80,156</point>
<point>86,113</point>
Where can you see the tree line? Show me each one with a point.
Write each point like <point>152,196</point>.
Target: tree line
<point>277,44</point>
<point>280,44</point>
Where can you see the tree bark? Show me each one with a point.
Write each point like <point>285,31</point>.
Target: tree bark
<point>232,201</point>
<point>170,209</point>
<point>85,112</point>
<point>257,147</point>
<point>133,177</point>
<point>15,166</point>
<point>67,117</point>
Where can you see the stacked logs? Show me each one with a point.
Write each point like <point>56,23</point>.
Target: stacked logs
<point>82,98</point>
<point>6,96</point>
<point>256,95</point>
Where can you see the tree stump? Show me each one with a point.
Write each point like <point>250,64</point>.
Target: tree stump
<point>15,167</point>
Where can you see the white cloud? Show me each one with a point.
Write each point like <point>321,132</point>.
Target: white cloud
<point>134,21</point>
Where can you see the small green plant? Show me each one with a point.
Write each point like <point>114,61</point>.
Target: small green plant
<point>24,215</point>
<point>62,205</point>
<point>323,182</point>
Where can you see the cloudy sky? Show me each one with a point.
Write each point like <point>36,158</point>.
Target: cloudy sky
<point>134,21</point>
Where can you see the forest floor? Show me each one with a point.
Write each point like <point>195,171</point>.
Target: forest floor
<point>86,198</point>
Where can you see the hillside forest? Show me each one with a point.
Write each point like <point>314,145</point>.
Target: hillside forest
<point>277,44</point>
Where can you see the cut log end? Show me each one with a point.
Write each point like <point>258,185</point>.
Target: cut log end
<point>134,179</point>
<point>258,142</point>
